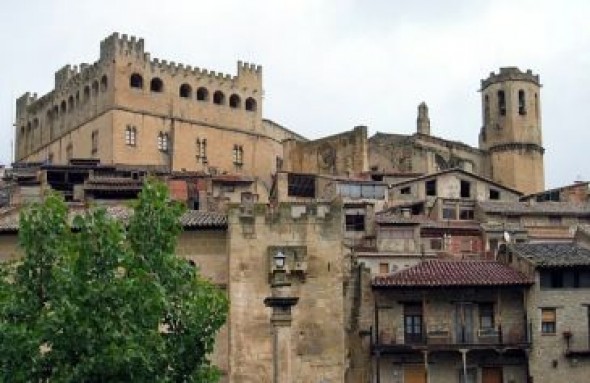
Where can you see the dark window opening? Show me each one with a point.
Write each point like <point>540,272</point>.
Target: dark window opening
<point>250,104</point>
<point>501,103</point>
<point>185,91</point>
<point>136,81</point>
<point>95,88</point>
<point>486,113</point>
<point>486,316</point>
<point>465,189</point>
<point>234,101</point>
<point>86,93</point>
<point>301,185</point>
<point>103,83</point>
<point>466,214</point>
<point>406,190</point>
<point>355,222</point>
<point>413,323</point>
<point>521,102</point>
<point>71,103</point>
<point>219,98</point>
<point>202,94</point>
<point>431,188</point>
<point>494,194</point>
<point>156,85</point>
<point>63,107</point>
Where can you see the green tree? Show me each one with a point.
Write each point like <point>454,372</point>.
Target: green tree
<point>95,301</point>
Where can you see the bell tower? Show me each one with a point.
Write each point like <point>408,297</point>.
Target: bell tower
<point>511,132</point>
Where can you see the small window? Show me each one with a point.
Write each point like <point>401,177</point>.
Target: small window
<point>234,101</point>
<point>219,98</point>
<point>185,91</point>
<point>63,107</point>
<point>384,268</point>
<point>95,88</point>
<point>521,103</point>
<point>163,142</point>
<point>449,212</point>
<point>501,103</point>
<point>486,114</point>
<point>548,321</point>
<point>156,85</point>
<point>405,190</point>
<point>130,135</point>
<point>238,155</point>
<point>104,83</point>
<point>466,214</point>
<point>465,189</point>
<point>202,94</point>
<point>430,188</point>
<point>355,222</point>
<point>136,81</point>
<point>436,244</point>
<point>94,139</point>
<point>250,104</point>
<point>494,194</point>
<point>71,104</point>
<point>202,150</point>
<point>86,93</point>
<point>486,316</point>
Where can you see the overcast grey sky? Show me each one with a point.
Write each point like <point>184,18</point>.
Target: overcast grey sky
<point>330,65</point>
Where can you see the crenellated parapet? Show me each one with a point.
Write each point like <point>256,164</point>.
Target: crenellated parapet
<point>510,74</point>
<point>122,45</point>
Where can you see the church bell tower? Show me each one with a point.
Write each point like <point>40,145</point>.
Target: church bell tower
<point>511,132</point>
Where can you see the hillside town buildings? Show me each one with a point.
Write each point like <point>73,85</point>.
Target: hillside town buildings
<point>390,258</point>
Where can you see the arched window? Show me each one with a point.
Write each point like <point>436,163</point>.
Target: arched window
<point>63,107</point>
<point>136,81</point>
<point>486,109</point>
<point>536,106</point>
<point>77,98</point>
<point>86,93</point>
<point>55,112</point>
<point>501,103</point>
<point>156,85</point>
<point>103,83</point>
<point>219,98</point>
<point>251,104</point>
<point>95,88</point>
<point>185,91</point>
<point>71,104</point>
<point>234,101</point>
<point>521,103</point>
<point>202,94</point>
<point>163,142</point>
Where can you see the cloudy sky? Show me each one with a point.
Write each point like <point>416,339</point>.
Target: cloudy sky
<point>330,65</point>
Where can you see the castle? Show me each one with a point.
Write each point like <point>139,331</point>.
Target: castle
<point>130,109</point>
<point>407,258</point>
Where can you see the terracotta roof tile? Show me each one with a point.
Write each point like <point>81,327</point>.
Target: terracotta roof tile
<point>557,254</point>
<point>556,208</point>
<point>191,219</point>
<point>438,273</point>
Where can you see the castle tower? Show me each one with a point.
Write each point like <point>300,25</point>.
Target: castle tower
<point>511,132</point>
<point>423,121</point>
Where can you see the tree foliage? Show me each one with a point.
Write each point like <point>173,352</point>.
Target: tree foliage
<point>95,301</point>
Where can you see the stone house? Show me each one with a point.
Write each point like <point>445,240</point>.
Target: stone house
<point>450,321</point>
<point>558,306</point>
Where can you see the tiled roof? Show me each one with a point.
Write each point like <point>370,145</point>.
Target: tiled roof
<point>438,273</point>
<point>191,219</point>
<point>555,208</point>
<point>553,254</point>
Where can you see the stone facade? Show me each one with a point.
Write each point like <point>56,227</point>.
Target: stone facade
<point>128,108</point>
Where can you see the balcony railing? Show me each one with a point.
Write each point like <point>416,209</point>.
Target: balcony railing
<point>515,336</point>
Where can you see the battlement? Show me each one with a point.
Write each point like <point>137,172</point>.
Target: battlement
<point>123,44</point>
<point>23,102</point>
<point>510,74</point>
